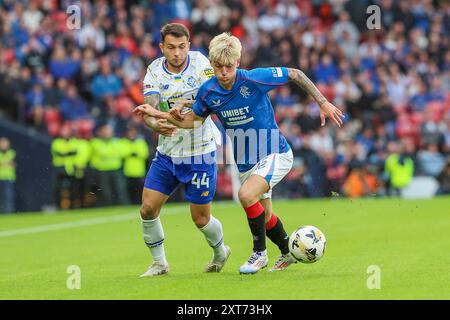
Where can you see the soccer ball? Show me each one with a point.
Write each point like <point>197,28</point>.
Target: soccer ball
<point>307,244</point>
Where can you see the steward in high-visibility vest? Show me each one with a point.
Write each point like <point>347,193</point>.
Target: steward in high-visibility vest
<point>63,155</point>
<point>7,177</point>
<point>80,162</point>
<point>63,150</point>
<point>135,154</point>
<point>82,157</point>
<point>400,170</point>
<point>106,160</point>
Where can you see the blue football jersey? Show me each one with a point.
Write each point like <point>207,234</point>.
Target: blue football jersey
<point>246,113</point>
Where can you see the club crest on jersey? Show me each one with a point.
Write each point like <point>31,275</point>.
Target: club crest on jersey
<point>244,92</point>
<point>191,82</point>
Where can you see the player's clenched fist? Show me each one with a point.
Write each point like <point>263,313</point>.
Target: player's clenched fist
<point>180,108</point>
<point>163,127</point>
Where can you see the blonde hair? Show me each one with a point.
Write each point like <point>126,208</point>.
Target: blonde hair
<point>225,49</point>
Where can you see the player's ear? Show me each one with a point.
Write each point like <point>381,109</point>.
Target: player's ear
<point>238,62</point>
<point>161,46</point>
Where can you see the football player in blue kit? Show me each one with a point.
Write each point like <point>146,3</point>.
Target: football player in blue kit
<point>263,156</point>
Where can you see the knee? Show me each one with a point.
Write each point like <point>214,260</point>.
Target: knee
<point>247,197</point>
<point>200,217</point>
<point>149,212</point>
<point>200,220</point>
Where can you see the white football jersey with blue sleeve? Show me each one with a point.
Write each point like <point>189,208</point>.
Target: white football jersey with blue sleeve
<point>172,87</point>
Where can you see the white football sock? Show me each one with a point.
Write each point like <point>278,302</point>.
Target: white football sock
<point>154,239</point>
<point>214,236</point>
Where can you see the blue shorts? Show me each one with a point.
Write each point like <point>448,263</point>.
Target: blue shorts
<point>198,176</point>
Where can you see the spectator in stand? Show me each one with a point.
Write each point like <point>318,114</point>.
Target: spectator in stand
<point>264,53</point>
<point>430,160</point>
<point>106,83</point>
<point>396,85</point>
<point>270,20</point>
<point>367,140</point>
<point>345,25</point>
<point>133,67</point>
<point>432,131</point>
<point>361,182</point>
<point>326,72</point>
<point>52,96</point>
<point>35,106</point>
<point>347,92</point>
<point>64,65</point>
<point>283,98</point>
<point>32,16</point>
<point>395,81</point>
<point>72,105</point>
<point>420,100</point>
<point>336,173</point>
<point>92,35</point>
<point>322,142</point>
<point>315,170</point>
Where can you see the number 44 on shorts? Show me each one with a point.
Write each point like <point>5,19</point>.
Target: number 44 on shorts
<point>204,181</point>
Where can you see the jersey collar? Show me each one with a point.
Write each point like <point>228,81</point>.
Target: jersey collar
<point>176,74</point>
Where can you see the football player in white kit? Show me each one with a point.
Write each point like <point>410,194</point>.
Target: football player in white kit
<point>183,156</point>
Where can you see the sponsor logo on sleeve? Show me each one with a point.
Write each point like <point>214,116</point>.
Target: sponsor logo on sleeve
<point>209,73</point>
<point>277,72</point>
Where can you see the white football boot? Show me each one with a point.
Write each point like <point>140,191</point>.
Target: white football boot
<point>257,261</point>
<point>283,261</point>
<point>156,269</point>
<point>217,264</point>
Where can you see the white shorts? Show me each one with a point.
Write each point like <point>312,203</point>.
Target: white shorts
<point>273,168</point>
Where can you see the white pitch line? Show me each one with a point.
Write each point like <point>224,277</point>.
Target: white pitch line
<point>83,223</point>
<point>96,221</point>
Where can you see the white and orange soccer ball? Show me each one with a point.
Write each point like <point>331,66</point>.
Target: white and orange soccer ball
<point>307,244</point>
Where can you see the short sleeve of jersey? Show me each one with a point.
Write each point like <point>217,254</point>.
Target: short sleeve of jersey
<point>150,85</point>
<point>199,107</point>
<point>206,71</point>
<point>267,79</point>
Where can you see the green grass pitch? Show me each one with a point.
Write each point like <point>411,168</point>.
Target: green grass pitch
<point>408,240</point>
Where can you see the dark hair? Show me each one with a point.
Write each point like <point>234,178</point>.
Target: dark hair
<point>174,29</point>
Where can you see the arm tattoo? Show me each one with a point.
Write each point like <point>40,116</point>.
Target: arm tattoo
<point>300,79</point>
<point>152,99</point>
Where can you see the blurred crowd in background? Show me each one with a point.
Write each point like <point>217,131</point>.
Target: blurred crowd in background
<point>392,82</point>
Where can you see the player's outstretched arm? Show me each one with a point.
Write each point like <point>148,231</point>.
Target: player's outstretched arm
<point>175,117</point>
<point>159,125</point>
<point>327,109</point>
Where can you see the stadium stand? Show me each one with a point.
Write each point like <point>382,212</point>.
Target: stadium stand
<point>393,83</point>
